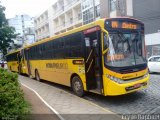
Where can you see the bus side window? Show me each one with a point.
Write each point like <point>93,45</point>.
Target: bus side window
<point>87,42</point>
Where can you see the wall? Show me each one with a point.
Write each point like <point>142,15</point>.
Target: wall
<point>153,44</point>
<point>148,11</point>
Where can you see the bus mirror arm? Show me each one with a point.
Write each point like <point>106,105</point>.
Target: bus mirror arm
<point>106,50</point>
<point>105,31</point>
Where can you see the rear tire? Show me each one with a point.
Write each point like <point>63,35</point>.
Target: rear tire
<point>77,86</point>
<point>37,76</point>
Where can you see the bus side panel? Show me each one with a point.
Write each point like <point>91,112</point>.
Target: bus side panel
<point>58,71</point>
<point>78,69</point>
<point>50,70</point>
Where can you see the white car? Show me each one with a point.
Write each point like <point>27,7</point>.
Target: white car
<point>154,64</point>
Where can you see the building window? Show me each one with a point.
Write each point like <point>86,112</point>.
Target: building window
<point>71,20</point>
<point>79,16</point>
<point>113,5</point>
<point>97,2</point>
<point>97,11</point>
<point>87,4</point>
<point>88,16</point>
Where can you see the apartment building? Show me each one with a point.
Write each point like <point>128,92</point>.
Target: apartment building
<point>148,11</point>
<point>21,23</point>
<point>41,24</point>
<point>65,15</point>
<point>62,16</point>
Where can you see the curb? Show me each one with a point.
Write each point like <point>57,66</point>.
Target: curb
<point>52,109</point>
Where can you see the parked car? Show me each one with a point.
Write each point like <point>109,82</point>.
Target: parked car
<point>3,64</point>
<point>154,64</point>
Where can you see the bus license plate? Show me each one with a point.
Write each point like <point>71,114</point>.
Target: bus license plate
<point>137,85</point>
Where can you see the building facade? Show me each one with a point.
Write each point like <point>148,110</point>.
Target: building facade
<point>65,15</point>
<point>21,23</point>
<point>62,16</point>
<point>41,24</point>
<point>148,11</point>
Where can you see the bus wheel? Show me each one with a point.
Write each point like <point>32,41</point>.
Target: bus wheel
<point>37,76</point>
<point>77,86</point>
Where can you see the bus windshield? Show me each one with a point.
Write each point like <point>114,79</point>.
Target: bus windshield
<point>125,49</point>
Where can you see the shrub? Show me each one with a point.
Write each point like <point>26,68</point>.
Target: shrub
<point>12,103</point>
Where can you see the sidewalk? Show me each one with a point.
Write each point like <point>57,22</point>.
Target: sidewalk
<point>68,106</point>
<point>39,111</point>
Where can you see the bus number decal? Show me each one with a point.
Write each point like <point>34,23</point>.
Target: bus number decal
<point>81,69</point>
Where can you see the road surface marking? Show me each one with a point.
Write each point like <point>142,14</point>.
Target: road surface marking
<point>61,118</point>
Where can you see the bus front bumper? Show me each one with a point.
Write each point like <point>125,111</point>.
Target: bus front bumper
<point>112,88</point>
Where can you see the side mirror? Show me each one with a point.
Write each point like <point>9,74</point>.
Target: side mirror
<point>106,41</point>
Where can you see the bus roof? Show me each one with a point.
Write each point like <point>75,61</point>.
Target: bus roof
<point>126,18</point>
<point>92,24</point>
<point>13,52</point>
<point>81,28</point>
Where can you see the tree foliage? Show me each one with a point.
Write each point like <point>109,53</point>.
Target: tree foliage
<point>7,34</point>
<point>12,102</point>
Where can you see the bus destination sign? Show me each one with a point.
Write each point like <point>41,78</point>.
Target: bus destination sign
<point>124,25</point>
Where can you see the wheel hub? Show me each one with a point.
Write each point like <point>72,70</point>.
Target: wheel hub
<point>77,86</point>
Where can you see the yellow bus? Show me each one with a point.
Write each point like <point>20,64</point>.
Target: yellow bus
<point>107,57</point>
<point>12,61</point>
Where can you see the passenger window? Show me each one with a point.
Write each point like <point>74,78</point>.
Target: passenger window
<point>157,59</point>
<point>152,59</point>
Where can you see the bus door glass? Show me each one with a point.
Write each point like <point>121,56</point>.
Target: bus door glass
<point>27,59</point>
<point>93,66</point>
<point>19,57</point>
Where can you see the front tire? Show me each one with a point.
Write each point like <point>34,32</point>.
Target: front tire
<point>77,86</point>
<point>37,76</point>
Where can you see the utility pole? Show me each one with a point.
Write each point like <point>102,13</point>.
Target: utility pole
<point>121,7</point>
<point>94,12</point>
<point>23,27</point>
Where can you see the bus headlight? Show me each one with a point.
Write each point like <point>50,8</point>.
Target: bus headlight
<point>117,80</point>
<point>145,75</point>
<point>120,81</point>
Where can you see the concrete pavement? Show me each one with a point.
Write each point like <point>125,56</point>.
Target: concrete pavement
<point>39,111</point>
<point>68,106</point>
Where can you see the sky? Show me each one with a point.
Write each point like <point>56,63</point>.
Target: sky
<point>30,7</point>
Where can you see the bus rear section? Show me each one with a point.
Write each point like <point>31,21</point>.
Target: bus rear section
<point>12,61</point>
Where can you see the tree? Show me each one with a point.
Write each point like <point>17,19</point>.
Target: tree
<point>7,34</point>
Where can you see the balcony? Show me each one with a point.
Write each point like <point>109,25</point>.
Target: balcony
<point>39,25</point>
<point>65,8</point>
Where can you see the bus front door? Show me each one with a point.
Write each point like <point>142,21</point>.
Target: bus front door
<point>28,63</point>
<point>19,57</point>
<point>93,66</point>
